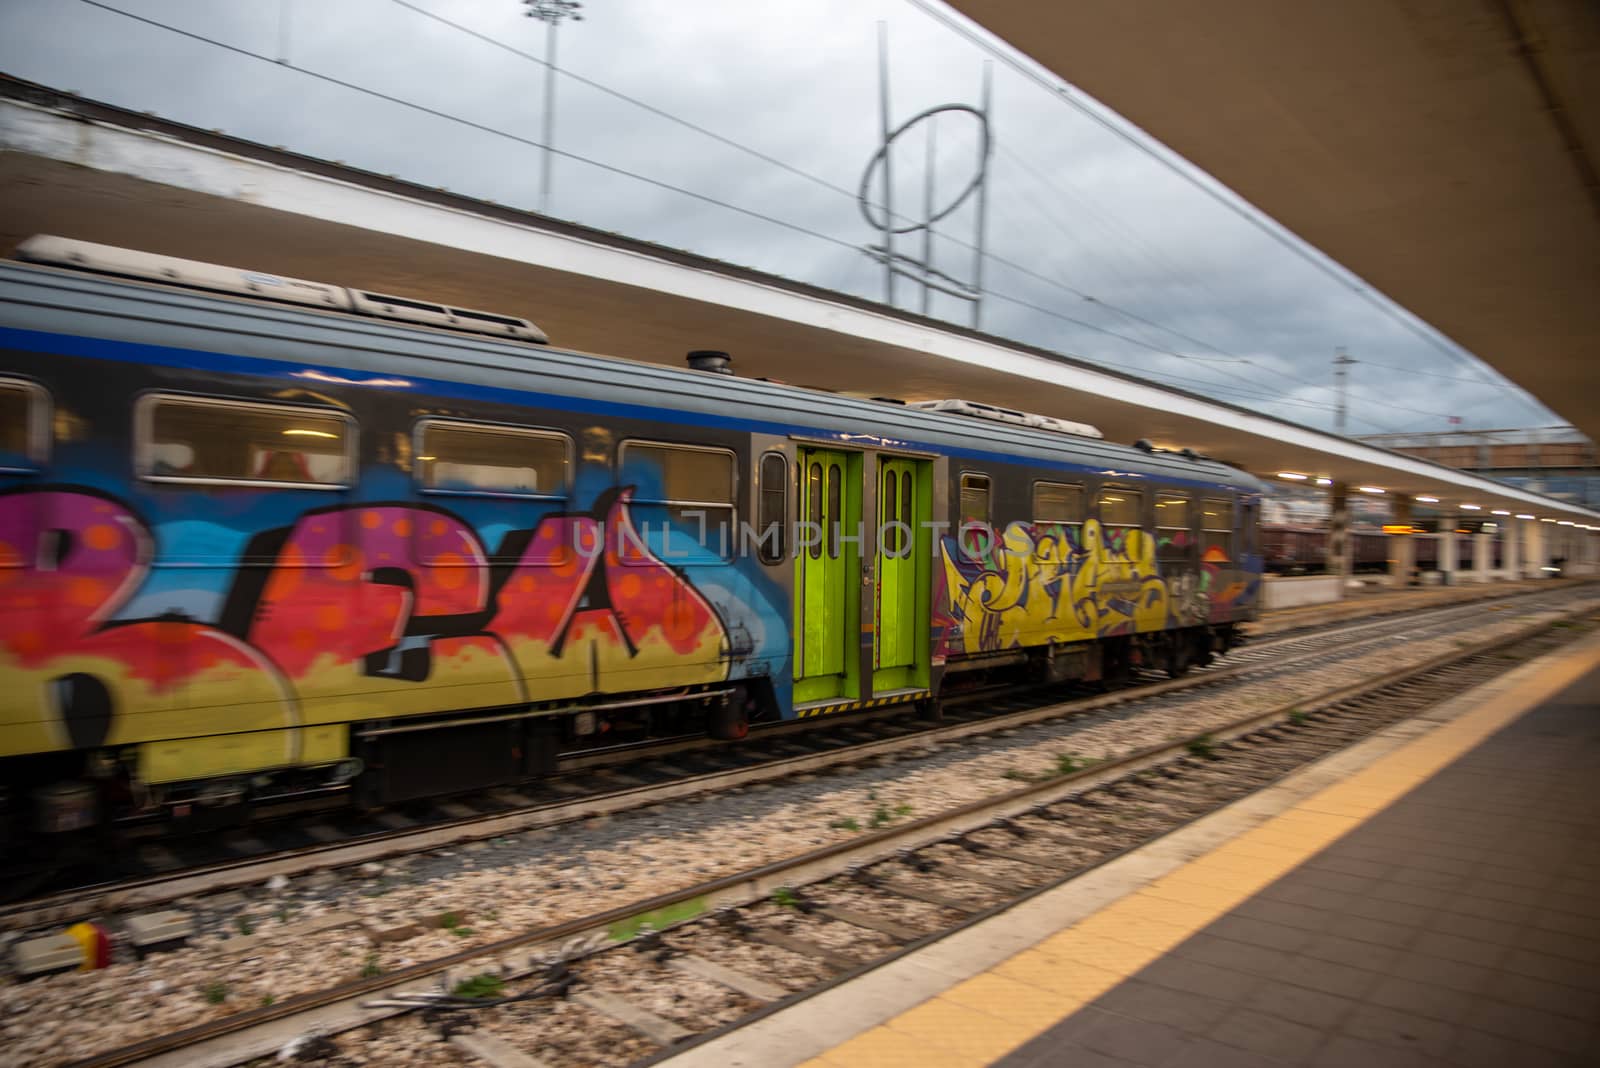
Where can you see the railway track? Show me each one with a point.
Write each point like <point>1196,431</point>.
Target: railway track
<point>633,778</point>
<point>745,944</point>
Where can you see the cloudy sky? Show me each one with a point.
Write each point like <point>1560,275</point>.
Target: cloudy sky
<point>740,130</point>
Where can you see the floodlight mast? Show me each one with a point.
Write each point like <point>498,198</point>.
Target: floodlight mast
<point>1341,360</point>
<point>550,12</point>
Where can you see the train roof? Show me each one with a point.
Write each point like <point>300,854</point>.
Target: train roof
<point>64,301</point>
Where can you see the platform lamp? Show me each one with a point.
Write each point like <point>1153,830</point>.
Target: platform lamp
<point>550,12</point>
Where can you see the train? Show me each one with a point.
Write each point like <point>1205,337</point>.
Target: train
<point>265,538</point>
<point>1296,549</point>
<point>1302,549</point>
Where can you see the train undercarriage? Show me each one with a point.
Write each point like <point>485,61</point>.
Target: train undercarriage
<point>395,761</point>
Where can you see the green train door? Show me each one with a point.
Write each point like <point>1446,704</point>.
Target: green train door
<point>903,572</point>
<point>826,600</point>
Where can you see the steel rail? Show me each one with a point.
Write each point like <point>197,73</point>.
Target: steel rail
<point>73,905</point>
<point>242,1036</point>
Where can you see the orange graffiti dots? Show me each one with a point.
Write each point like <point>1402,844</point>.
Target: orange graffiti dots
<point>678,620</point>
<point>371,520</point>
<point>630,586</point>
<point>344,562</point>
<point>553,611</point>
<point>28,643</point>
<point>331,617</point>
<point>289,573</point>
<point>86,592</point>
<point>437,528</point>
<point>101,537</point>
<point>567,564</point>
<point>304,641</point>
<point>525,584</point>
<point>452,573</point>
<point>402,528</point>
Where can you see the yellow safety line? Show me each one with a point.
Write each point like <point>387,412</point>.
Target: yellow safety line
<point>870,702</point>
<point>983,1018</point>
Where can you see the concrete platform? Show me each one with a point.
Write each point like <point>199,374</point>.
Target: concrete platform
<point>1378,600</point>
<point>1430,896</point>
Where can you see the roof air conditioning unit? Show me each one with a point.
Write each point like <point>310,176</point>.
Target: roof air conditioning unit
<point>994,413</point>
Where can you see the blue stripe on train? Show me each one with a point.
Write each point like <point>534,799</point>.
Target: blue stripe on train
<point>203,360</point>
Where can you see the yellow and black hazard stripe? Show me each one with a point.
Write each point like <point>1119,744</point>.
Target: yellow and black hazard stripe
<point>871,702</point>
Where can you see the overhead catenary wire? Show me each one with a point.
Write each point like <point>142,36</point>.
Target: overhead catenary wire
<point>794,170</point>
<point>1233,357</point>
<point>1252,393</point>
<point>1046,212</point>
<point>1061,183</point>
<point>853,194</point>
<point>748,212</point>
<point>472,124</point>
<point>1420,371</point>
<point>842,191</point>
<point>657,183</point>
<point>1226,199</point>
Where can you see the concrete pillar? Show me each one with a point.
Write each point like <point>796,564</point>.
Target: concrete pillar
<point>1482,556</point>
<point>1533,556</point>
<point>1339,547</point>
<point>1448,564</point>
<point>1402,547</point>
<point>1510,549</point>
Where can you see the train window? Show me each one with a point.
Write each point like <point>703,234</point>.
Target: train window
<point>1216,530</point>
<point>772,523</point>
<point>903,535</point>
<point>974,534</point>
<point>814,512</point>
<point>835,513</point>
<point>693,482</point>
<point>24,426</point>
<point>975,499</point>
<point>480,458</point>
<point>1121,507</point>
<point>1173,539</point>
<point>211,439</point>
<point>1057,502</point>
<point>888,522</point>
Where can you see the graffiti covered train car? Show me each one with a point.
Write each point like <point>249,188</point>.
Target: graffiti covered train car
<point>338,541</point>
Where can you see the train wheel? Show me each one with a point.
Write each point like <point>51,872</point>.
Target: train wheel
<point>1116,660</point>
<point>1178,656</point>
<point>730,720</point>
